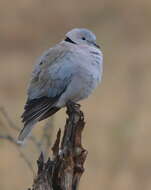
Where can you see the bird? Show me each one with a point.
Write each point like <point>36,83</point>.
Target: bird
<point>69,71</point>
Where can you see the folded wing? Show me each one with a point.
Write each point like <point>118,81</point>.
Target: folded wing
<point>50,79</point>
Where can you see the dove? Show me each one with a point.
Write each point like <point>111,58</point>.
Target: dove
<point>69,71</point>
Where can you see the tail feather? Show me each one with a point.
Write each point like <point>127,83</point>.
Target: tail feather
<point>31,108</point>
<point>25,132</point>
<point>36,110</point>
<point>49,113</point>
<point>35,114</point>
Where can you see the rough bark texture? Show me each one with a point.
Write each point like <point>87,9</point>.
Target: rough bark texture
<point>63,171</point>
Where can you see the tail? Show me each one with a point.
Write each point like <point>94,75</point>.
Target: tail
<point>36,110</point>
<point>25,132</point>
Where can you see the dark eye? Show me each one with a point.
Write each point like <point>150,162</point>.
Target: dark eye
<point>83,38</point>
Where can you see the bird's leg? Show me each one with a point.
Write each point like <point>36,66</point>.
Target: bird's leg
<point>72,105</point>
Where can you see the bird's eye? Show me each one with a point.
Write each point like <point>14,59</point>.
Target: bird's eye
<point>83,38</point>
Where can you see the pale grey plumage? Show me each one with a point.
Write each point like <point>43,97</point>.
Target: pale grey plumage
<point>68,71</point>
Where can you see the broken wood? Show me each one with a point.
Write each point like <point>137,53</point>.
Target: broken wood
<point>64,170</point>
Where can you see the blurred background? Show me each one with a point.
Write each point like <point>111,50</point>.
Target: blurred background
<point>118,132</point>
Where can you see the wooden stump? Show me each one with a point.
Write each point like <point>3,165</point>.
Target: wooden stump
<point>64,170</point>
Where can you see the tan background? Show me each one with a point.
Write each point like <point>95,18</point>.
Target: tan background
<point>118,131</point>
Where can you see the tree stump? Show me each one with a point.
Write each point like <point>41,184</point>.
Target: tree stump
<point>64,170</point>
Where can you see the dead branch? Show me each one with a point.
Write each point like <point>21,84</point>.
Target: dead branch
<point>12,140</point>
<point>64,170</point>
<point>10,122</point>
<point>12,127</point>
<point>46,139</point>
<point>22,154</point>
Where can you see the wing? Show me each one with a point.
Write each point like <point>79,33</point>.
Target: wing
<point>49,80</point>
<point>50,76</point>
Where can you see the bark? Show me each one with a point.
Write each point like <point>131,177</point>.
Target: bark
<point>64,170</point>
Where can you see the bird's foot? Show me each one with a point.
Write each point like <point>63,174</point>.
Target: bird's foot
<point>72,105</point>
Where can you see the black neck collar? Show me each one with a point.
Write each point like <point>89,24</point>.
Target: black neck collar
<point>69,40</point>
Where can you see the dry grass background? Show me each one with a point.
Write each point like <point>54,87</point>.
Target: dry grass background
<point>118,132</point>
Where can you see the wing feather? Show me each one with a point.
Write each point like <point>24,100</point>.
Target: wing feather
<point>50,78</point>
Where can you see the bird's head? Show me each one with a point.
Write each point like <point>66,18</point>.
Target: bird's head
<point>81,36</point>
